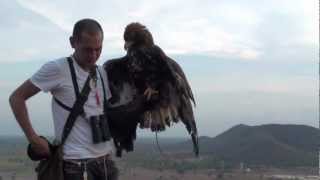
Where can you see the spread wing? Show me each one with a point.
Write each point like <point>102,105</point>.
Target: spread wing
<point>175,98</point>
<point>184,92</point>
<point>129,107</point>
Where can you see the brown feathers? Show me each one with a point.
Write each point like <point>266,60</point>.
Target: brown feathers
<point>138,35</point>
<point>158,79</point>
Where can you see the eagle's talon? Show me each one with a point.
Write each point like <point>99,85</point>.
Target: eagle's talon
<point>149,92</point>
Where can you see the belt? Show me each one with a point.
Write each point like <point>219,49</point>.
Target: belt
<point>87,160</point>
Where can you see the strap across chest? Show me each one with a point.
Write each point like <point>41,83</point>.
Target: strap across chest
<point>76,86</point>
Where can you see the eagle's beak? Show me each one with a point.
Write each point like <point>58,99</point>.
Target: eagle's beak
<point>127,45</point>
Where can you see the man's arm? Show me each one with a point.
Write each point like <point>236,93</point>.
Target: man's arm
<point>18,105</point>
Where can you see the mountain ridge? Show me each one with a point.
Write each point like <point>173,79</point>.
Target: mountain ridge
<point>269,144</point>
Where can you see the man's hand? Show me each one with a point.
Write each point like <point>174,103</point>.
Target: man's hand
<point>40,146</point>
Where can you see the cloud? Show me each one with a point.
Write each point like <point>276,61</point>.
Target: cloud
<point>243,29</point>
<point>187,30</point>
<point>255,82</point>
<point>7,84</point>
<point>25,35</point>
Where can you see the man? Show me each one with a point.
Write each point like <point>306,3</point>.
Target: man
<point>82,156</point>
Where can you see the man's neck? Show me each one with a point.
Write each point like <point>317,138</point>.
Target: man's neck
<point>82,66</point>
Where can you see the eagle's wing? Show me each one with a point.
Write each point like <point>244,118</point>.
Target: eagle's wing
<point>119,81</point>
<point>128,108</point>
<point>181,78</point>
<point>173,102</point>
<point>185,111</point>
<point>124,107</point>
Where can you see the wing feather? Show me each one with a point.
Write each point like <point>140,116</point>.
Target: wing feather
<point>128,108</point>
<point>124,107</point>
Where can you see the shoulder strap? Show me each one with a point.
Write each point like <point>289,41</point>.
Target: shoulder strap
<point>103,88</point>
<point>74,82</point>
<point>65,107</point>
<point>105,103</point>
<point>76,110</point>
<point>74,77</point>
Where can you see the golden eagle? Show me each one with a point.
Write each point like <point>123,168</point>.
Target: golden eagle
<point>148,89</point>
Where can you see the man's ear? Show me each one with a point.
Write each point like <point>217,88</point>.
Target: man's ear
<point>72,41</point>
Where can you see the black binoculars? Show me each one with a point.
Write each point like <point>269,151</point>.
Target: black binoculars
<point>100,129</point>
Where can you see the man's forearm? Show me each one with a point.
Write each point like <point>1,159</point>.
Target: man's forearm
<point>19,109</point>
<point>18,105</point>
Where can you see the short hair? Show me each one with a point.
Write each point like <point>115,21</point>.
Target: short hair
<point>86,25</point>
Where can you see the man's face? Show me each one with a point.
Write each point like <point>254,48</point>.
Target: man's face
<point>87,49</point>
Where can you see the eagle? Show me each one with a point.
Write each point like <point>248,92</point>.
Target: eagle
<point>149,90</point>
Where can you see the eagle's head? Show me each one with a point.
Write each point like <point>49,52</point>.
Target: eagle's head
<point>137,35</point>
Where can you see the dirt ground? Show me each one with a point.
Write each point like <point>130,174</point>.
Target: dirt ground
<point>147,174</point>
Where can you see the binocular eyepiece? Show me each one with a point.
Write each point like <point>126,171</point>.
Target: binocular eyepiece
<point>100,129</point>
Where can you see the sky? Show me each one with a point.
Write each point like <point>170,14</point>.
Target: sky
<point>248,62</point>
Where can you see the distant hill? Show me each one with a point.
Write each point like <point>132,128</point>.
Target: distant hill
<point>10,145</point>
<point>266,145</point>
<point>276,145</point>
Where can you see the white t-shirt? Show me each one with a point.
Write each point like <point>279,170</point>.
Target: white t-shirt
<point>55,77</point>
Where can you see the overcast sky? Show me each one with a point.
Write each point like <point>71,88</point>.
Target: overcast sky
<point>250,62</point>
